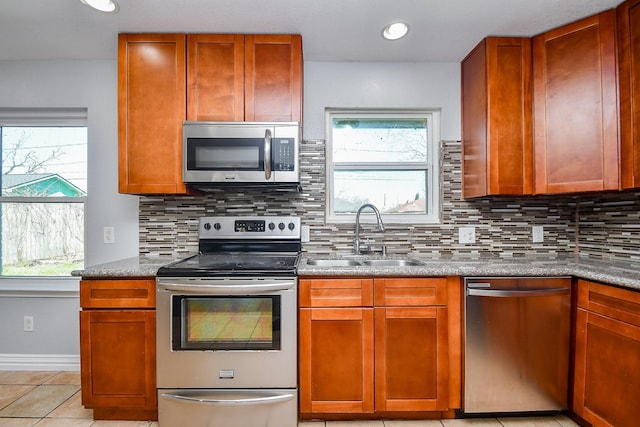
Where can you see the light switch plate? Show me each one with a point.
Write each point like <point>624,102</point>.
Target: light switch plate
<point>537,233</point>
<point>305,234</point>
<point>109,234</point>
<point>466,235</point>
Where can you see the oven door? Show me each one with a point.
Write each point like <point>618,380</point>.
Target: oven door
<point>226,332</point>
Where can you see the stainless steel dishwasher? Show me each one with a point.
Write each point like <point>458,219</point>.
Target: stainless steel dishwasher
<point>517,337</point>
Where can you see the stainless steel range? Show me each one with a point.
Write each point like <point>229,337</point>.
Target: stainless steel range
<point>226,327</point>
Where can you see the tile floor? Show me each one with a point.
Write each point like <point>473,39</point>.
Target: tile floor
<point>52,399</point>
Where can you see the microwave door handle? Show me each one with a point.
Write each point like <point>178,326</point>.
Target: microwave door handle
<point>267,154</point>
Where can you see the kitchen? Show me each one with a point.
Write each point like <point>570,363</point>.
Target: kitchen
<point>167,224</point>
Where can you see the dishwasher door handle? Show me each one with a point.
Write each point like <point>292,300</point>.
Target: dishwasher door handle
<point>517,293</point>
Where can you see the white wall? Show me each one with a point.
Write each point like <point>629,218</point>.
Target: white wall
<point>90,84</point>
<point>381,85</point>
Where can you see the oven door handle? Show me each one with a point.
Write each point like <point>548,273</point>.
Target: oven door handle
<point>246,401</point>
<point>213,289</point>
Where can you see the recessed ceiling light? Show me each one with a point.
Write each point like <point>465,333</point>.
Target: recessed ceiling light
<point>395,31</point>
<point>109,6</point>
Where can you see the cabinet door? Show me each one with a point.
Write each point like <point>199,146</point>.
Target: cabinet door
<point>151,109</point>
<point>411,359</point>
<point>118,359</point>
<point>575,107</point>
<point>215,77</point>
<point>607,372</point>
<point>497,130</point>
<point>336,360</point>
<point>628,17</point>
<point>273,78</point>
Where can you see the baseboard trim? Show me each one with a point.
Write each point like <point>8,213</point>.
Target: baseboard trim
<point>39,362</point>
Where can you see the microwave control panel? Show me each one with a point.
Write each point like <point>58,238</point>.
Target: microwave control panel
<point>284,154</point>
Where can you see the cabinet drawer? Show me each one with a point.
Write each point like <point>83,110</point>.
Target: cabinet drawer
<point>114,293</point>
<point>352,292</point>
<point>616,303</point>
<point>410,292</point>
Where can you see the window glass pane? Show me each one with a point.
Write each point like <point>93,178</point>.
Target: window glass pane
<point>379,140</point>
<point>392,192</point>
<point>42,239</point>
<point>44,161</point>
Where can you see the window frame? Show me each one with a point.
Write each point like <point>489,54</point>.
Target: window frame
<point>45,117</point>
<point>431,166</point>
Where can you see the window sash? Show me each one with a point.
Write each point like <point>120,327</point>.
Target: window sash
<point>430,167</point>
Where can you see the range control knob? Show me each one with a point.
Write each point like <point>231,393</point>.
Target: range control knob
<point>272,226</point>
<point>207,226</point>
<point>281,226</point>
<point>291,226</point>
<point>217,226</point>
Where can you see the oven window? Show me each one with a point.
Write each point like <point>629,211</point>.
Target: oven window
<point>226,323</point>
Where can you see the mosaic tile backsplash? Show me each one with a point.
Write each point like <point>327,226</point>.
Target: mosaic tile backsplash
<point>168,225</point>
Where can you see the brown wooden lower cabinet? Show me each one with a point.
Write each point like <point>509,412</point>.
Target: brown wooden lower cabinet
<point>118,348</point>
<point>373,359</point>
<point>607,365</point>
<point>411,359</point>
<point>336,363</point>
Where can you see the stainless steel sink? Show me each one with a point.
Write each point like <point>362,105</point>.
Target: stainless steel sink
<point>391,262</point>
<point>333,262</point>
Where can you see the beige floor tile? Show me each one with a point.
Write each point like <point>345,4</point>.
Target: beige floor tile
<point>475,422</point>
<point>358,423</point>
<point>311,424</point>
<point>412,423</point>
<point>68,377</point>
<point>25,377</point>
<point>40,401</point>
<point>529,422</point>
<point>566,421</point>
<point>64,422</point>
<point>12,392</point>
<point>72,408</point>
<point>18,422</point>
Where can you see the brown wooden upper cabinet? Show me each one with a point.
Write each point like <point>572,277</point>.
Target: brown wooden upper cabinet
<point>575,107</point>
<point>164,79</point>
<point>496,118</point>
<point>628,17</point>
<point>232,77</point>
<point>151,109</point>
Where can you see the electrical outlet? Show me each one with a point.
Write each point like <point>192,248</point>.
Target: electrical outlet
<point>28,323</point>
<point>109,234</point>
<point>305,234</point>
<point>537,233</point>
<point>466,235</point>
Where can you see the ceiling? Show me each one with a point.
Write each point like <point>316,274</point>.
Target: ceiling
<point>332,30</point>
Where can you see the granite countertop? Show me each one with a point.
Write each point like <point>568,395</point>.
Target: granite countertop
<point>140,266</point>
<point>615,273</point>
<point>625,274</point>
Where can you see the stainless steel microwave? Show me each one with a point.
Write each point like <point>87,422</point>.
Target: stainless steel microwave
<point>241,153</point>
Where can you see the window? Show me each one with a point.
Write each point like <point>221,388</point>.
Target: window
<point>388,159</point>
<point>44,188</point>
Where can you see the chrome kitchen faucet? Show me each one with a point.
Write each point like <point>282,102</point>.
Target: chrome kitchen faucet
<point>356,246</point>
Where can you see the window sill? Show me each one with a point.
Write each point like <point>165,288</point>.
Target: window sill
<point>40,287</point>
